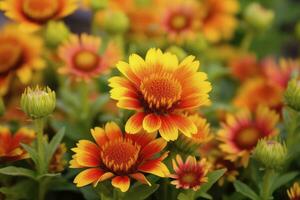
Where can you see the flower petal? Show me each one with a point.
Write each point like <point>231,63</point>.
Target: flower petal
<point>125,69</point>
<point>184,124</point>
<point>151,123</point>
<point>112,131</point>
<point>140,177</point>
<point>134,123</point>
<point>153,147</point>
<point>168,129</point>
<point>121,182</point>
<point>99,136</point>
<point>129,103</point>
<point>156,166</point>
<point>87,176</point>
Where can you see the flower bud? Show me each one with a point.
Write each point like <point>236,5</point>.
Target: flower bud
<point>292,95</point>
<point>55,33</point>
<point>38,102</point>
<point>115,22</point>
<point>258,17</point>
<point>271,154</point>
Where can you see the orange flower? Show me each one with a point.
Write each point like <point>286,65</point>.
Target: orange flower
<point>181,19</point>
<point>10,149</point>
<point>19,53</point>
<point>218,21</point>
<point>203,135</point>
<point>280,74</point>
<point>159,89</point>
<point>266,93</point>
<point>118,156</point>
<point>242,131</point>
<point>34,13</point>
<point>189,174</point>
<point>294,192</point>
<point>81,57</point>
<point>244,67</point>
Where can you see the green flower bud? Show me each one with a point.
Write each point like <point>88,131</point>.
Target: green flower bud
<point>271,154</point>
<point>258,17</point>
<point>116,22</point>
<point>179,52</point>
<point>292,95</point>
<point>98,5</point>
<point>38,102</point>
<point>55,33</point>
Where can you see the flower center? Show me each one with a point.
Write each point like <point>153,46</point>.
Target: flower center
<point>86,60</point>
<point>189,178</point>
<point>179,22</point>
<point>247,138</point>
<point>160,91</point>
<point>40,10</point>
<point>120,155</point>
<point>10,55</point>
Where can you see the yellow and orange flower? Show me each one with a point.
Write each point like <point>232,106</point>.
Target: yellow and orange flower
<point>189,174</point>
<point>160,89</point>
<point>20,53</point>
<point>218,20</point>
<point>203,135</point>
<point>119,157</point>
<point>244,67</point>
<point>241,132</point>
<point>280,74</point>
<point>181,19</point>
<point>266,93</point>
<point>81,57</point>
<point>10,148</point>
<point>294,192</point>
<point>31,14</point>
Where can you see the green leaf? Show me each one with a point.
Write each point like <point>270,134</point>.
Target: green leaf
<point>206,196</point>
<point>213,177</point>
<point>48,175</point>
<point>245,190</point>
<point>282,180</point>
<point>17,171</point>
<point>140,191</point>
<point>54,143</point>
<point>183,196</point>
<point>32,152</point>
<point>99,103</point>
<point>23,189</point>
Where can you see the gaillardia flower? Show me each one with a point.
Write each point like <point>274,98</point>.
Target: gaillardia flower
<point>82,59</point>
<point>203,135</point>
<point>118,156</point>
<point>266,93</point>
<point>181,19</point>
<point>189,174</point>
<point>294,192</point>
<point>31,14</point>
<point>159,89</point>
<point>57,163</point>
<point>20,53</point>
<point>10,148</point>
<point>218,20</point>
<point>242,131</point>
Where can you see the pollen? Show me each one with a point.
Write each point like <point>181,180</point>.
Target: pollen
<point>121,155</point>
<point>40,11</point>
<point>161,91</point>
<point>247,138</point>
<point>179,22</point>
<point>86,60</point>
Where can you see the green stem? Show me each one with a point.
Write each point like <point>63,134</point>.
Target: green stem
<point>247,40</point>
<point>85,101</point>
<point>265,195</point>
<point>39,125</point>
<point>41,190</point>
